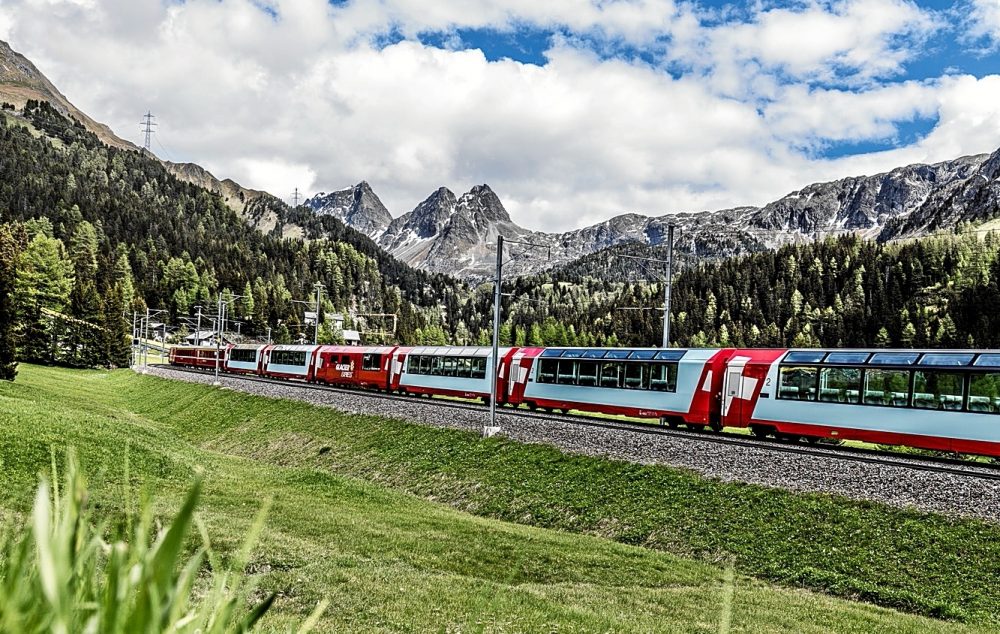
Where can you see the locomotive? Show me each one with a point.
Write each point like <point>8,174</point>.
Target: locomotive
<point>930,399</point>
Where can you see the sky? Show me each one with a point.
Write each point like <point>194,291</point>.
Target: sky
<point>573,111</point>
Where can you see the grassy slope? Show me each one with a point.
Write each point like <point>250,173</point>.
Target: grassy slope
<point>389,560</point>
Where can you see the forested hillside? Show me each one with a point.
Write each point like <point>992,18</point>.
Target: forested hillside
<point>100,232</point>
<point>935,292</point>
<point>172,245</point>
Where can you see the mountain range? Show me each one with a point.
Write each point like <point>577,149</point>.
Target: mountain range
<point>457,234</point>
<point>448,233</point>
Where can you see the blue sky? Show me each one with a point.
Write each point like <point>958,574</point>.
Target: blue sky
<point>573,111</point>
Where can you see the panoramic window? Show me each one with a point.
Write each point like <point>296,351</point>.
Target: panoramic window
<point>797,383</point>
<point>887,387</point>
<point>610,373</point>
<point>547,370</point>
<point>984,393</point>
<point>479,367</point>
<point>587,373</point>
<point>288,357</point>
<point>840,385</point>
<point>938,390</point>
<point>243,355</point>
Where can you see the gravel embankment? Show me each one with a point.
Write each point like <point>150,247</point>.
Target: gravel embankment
<point>897,486</point>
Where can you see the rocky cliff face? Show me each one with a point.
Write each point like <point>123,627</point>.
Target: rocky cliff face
<point>457,235</point>
<point>356,206</point>
<point>20,81</point>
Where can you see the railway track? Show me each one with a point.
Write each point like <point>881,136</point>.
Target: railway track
<point>951,466</point>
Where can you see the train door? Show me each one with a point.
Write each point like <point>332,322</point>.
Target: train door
<point>733,397</point>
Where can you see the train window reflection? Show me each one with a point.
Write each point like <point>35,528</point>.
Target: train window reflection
<point>797,383</point>
<point>937,390</point>
<point>840,385</point>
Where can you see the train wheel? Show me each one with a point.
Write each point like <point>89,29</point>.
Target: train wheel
<point>533,406</point>
<point>760,431</point>
<point>716,427</point>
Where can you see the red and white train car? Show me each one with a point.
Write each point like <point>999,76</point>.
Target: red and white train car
<point>931,399</point>
<point>290,362</point>
<point>355,366</point>
<point>462,372</point>
<point>195,356</point>
<point>246,359</point>
<point>676,386</point>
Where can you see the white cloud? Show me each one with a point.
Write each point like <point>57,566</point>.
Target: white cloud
<point>305,100</point>
<point>845,42</point>
<point>984,20</point>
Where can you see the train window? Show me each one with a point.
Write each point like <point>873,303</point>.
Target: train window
<point>587,374</point>
<point>345,359</point>
<point>413,364</point>
<point>288,357</point>
<point>479,367</point>
<point>663,377</point>
<point>797,383</point>
<point>852,358</point>
<point>636,376</point>
<point>426,364</point>
<point>552,352</point>
<point>594,354</point>
<point>610,373</point>
<point>805,356</point>
<point>464,368</point>
<point>887,387</point>
<point>243,355</point>
<point>984,393</point>
<point>617,354</point>
<point>840,385</point>
<point>642,354</point>
<point>946,359</point>
<point>670,355</point>
<point>566,374</point>
<point>371,362</point>
<point>449,365</point>
<point>938,390</point>
<point>894,358</point>
<point>547,370</point>
<point>572,354</point>
<point>988,361</point>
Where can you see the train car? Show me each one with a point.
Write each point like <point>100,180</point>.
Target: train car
<point>195,356</point>
<point>245,359</point>
<point>451,371</point>
<point>930,399</point>
<point>355,366</point>
<point>676,386</point>
<point>290,362</point>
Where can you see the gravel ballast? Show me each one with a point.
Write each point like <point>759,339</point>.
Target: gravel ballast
<point>898,486</point>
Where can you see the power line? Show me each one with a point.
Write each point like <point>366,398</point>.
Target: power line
<point>295,198</point>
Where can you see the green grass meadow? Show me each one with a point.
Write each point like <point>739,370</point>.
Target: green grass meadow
<point>408,528</point>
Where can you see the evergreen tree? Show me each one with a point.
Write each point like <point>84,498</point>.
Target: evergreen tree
<point>11,242</point>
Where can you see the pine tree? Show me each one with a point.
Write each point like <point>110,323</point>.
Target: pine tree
<point>11,242</point>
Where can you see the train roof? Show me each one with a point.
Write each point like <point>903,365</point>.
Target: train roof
<point>297,347</point>
<point>361,349</point>
<point>884,357</point>
<point>457,351</point>
<point>637,354</point>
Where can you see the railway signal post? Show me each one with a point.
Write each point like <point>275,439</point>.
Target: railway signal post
<point>492,428</point>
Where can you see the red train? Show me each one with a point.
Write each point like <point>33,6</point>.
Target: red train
<point>942,400</point>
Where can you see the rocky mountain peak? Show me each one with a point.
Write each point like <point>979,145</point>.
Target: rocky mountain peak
<point>357,206</point>
<point>483,206</point>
